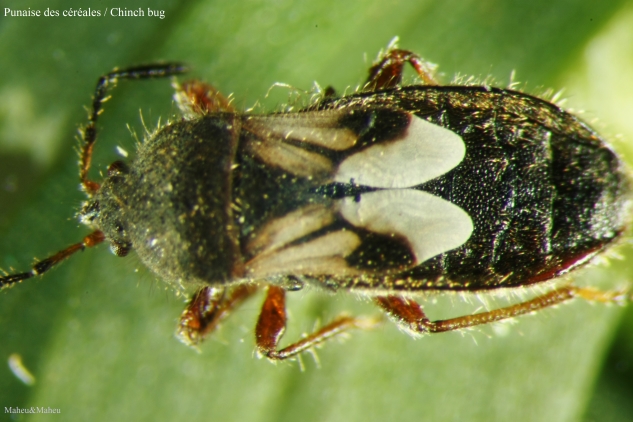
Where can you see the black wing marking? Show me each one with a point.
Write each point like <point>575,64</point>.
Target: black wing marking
<point>388,151</point>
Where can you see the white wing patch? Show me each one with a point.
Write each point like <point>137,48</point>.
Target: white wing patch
<point>425,152</point>
<point>430,224</point>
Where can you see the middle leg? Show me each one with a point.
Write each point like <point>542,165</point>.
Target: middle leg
<point>272,324</point>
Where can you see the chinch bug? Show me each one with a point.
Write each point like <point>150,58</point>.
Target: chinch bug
<point>387,192</point>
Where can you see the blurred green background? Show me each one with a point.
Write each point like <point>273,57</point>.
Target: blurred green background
<point>97,332</point>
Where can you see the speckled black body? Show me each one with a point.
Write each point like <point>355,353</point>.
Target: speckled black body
<point>545,193</point>
<point>386,192</point>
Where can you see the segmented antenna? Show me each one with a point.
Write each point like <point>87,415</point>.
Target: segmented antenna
<point>89,137</point>
<point>44,265</point>
<point>103,84</point>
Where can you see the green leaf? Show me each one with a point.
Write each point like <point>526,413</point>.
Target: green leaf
<point>97,332</point>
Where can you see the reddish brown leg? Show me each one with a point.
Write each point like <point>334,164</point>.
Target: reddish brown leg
<point>388,72</point>
<point>44,265</point>
<point>196,98</point>
<point>410,315</point>
<point>272,323</point>
<point>207,309</point>
<point>103,84</point>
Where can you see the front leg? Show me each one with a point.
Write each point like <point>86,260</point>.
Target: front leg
<point>208,307</point>
<point>387,73</point>
<point>195,98</point>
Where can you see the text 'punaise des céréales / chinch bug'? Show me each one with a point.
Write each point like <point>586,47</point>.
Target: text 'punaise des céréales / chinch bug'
<point>387,192</point>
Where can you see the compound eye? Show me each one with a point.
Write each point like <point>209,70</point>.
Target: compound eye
<point>120,249</point>
<point>117,168</point>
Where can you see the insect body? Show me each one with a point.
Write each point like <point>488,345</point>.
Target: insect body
<point>389,191</point>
